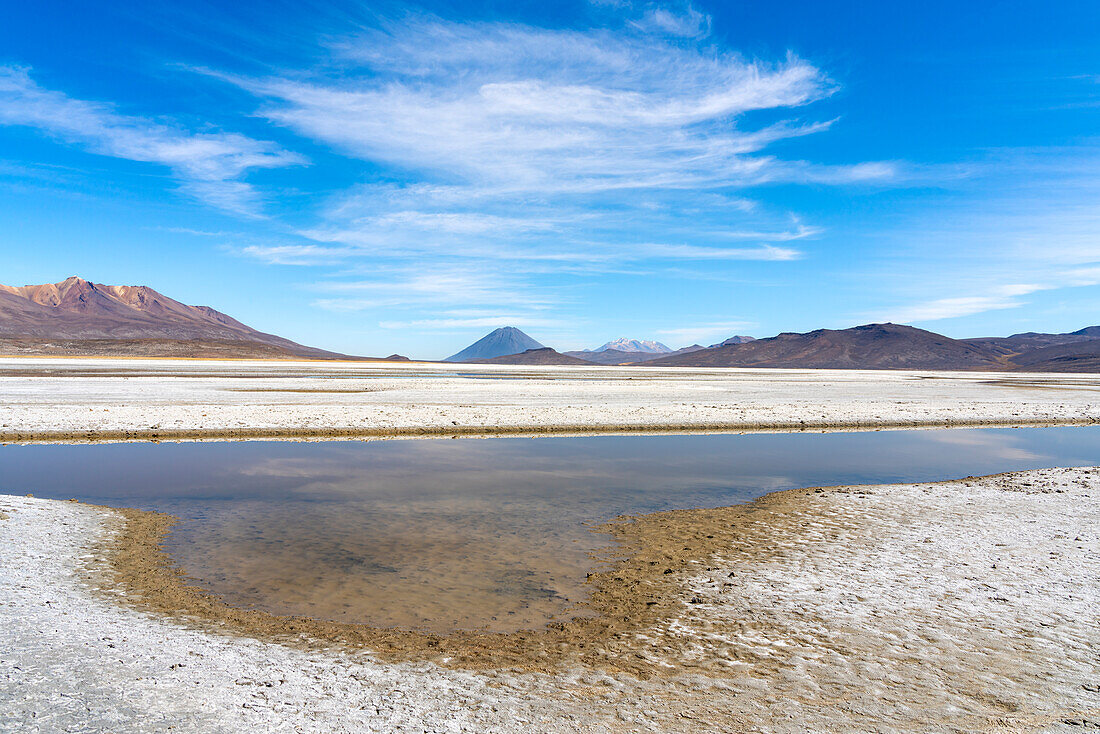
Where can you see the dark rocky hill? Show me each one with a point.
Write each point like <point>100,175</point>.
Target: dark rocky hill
<point>873,346</point>
<point>893,346</point>
<point>1082,356</point>
<point>542,355</point>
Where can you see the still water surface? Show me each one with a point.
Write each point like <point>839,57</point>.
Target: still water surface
<point>472,533</point>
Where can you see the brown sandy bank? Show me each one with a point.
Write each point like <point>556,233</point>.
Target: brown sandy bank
<point>299,434</point>
<point>702,591</point>
<point>636,587</point>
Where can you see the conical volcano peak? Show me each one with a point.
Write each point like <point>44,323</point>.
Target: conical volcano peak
<point>497,343</point>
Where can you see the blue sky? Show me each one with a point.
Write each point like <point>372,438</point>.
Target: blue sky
<point>384,177</point>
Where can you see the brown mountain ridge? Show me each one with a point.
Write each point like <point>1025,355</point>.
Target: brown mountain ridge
<point>542,355</point>
<point>895,346</point>
<point>81,318</point>
<point>77,317</point>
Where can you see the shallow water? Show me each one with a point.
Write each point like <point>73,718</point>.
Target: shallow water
<point>472,533</point>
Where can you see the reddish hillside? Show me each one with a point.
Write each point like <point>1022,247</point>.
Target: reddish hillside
<point>79,317</point>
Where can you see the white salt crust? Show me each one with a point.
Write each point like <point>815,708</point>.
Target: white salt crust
<point>94,397</point>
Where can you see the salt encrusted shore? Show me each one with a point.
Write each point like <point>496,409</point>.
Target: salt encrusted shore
<point>971,605</point>
<point>121,399</point>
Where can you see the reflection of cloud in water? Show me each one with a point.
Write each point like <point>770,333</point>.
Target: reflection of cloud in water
<point>457,533</point>
<point>536,470</point>
<point>282,468</point>
<point>993,443</point>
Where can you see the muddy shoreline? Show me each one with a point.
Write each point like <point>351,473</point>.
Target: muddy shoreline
<point>638,585</point>
<point>635,586</point>
<point>336,434</point>
<point>960,606</point>
<point>102,400</point>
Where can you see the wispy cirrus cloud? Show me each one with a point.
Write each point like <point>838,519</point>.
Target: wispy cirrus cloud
<point>523,109</point>
<point>707,332</point>
<point>595,258</point>
<point>798,231</point>
<point>588,151</point>
<point>768,253</point>
<point>686,21</point>
<point>300,255</point>
<point>1001,297</point>
<point>991,298</point>
<point>528,143</point>
<point>208,166</point>
<point>492,321</point>
<point>443,286</point>
<point>1035,228</point>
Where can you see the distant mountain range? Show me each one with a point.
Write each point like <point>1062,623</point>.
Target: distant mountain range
<point>509,345</point>
<point>633,351</point>
<point>497,343</point>
<point>893,346</point>
<point>616,356</point>
<point>633,345</point>
<point>76,317</point>
<point>871,347</point>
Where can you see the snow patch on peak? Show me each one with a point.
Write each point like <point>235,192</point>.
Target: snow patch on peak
<point>633,345</point>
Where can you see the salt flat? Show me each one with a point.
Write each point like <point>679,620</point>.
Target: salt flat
<point>961,606</point>
<point>66,399</point>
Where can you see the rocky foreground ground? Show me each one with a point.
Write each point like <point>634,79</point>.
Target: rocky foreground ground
<point>971,605</point>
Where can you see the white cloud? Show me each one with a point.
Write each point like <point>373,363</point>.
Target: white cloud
<point>798,232</point>
<point>1022,222</point>
<point>857,173</point>
<point>550,151</point>
<point>456,286</point>
<point>1079,277</point>
<point>686,22</point>
<point>694,252</point>
<point>464,223</point>
<point>707,333</point>
<point>511,109</point>
<point>539,145</point>
<point>643,114</point>
<point>482,322</point>
<point>208,166</point>
<point>196,232</point>
<point>990,298</point>
<point>1001,297</point>
<point>303,255</point>
<point>361,239</point>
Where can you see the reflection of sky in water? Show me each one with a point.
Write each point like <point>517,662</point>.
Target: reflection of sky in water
<point>472,532</point>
